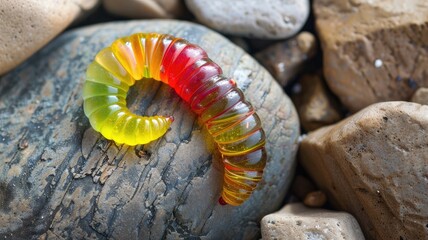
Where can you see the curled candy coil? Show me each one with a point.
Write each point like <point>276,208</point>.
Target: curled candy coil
<point>216,99</point>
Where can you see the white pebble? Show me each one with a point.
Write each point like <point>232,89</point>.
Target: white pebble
<point>378,63</point>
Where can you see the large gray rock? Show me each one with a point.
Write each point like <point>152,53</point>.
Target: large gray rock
<point>61,179</point>
<point>271,19</point>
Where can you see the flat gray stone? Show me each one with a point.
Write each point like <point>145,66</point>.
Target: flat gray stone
<point>273,19</point>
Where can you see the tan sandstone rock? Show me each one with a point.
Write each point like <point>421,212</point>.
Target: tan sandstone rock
<point>26,26</point>
<point>145,8</point>
<point>296,221</point>
<point>374,165</point>
<point>420,96</point>
<point>373,50</point>
<point>286,59</point>
<point>316,106</point>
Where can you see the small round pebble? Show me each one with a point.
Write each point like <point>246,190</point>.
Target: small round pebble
<point>315,199</point>
<point>306,42</point>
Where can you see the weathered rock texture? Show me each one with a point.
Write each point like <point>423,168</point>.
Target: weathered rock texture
<point>373,50</point>
<point>272,19</point>
<point>295,221</point>
<point>420,96</point>
<point>145,8</point>
<point>26,26</point>
<point>316,106</point>
<point>61,179</point>
<point>286,59</point>
<point>374,165</point>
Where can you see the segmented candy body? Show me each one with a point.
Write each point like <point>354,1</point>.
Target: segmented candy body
<point>219,103</point>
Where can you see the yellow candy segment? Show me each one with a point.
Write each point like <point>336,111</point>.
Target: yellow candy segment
<point>108,79</point>
<point>127,54</point>
<point>109,62</point>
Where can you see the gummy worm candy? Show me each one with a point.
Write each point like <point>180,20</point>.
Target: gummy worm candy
<point>216,99</point>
